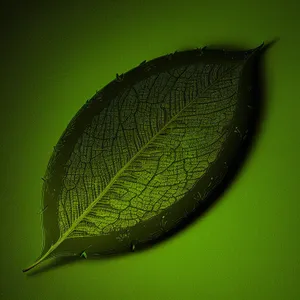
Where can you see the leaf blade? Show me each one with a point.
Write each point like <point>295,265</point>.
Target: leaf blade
<point>91,205</point>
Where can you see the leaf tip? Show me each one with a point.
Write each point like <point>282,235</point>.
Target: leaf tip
<point>270,43</point>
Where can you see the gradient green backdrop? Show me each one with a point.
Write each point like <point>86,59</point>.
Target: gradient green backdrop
<point>55,57</point>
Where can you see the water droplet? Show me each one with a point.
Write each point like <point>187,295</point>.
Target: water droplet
<point>132,247</point>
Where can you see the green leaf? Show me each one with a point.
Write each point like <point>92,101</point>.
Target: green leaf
<point>147,151</point>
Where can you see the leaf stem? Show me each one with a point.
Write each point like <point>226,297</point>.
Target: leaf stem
<point>38,261</point>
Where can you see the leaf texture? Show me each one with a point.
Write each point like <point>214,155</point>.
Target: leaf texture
<point>146,151</point>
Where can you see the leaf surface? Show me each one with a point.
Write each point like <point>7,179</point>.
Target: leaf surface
<point>146,151</point>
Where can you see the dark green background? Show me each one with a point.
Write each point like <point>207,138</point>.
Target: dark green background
<point>55,56</point>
